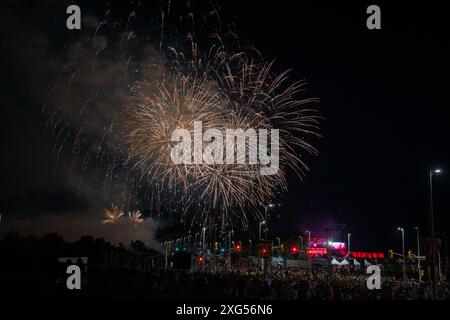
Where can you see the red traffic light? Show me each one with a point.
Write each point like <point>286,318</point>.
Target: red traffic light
<point>238,247</point>
<point>294,249</point>
<point>264,250</point>
<point>200,259</point>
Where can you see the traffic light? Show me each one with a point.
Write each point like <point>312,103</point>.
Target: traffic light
<point>264,250</point>
<point>200,259</point>
<point>237,247</point>
<point>391,254</point>
<point>282,247</point>
<point>216,246</point>
<point>222,250</point>
<point>294,250</point>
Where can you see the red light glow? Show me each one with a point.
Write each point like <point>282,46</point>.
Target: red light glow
<point>316,251</point>
<point>367,255</point>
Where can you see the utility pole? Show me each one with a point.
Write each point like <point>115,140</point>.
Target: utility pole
<point>418,254</point>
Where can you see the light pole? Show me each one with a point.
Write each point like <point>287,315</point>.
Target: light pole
<point>444,235</point>
<point>403,251</point>
<point>348,242</point>
<point>165,256</point>
<point>203,238</point>
<point>418,253</point>
<point>271,205</point>
<point>264,222</point>
<point>230,233</point>
<point>433,257</point>
<point>259,241</point>
<point>308,246</point>
<point>309,237</point>
<point>278,241</point>
<point>260,224</point>
<point>301,243</point>
<point>166,260</point>
<point>195,244</point>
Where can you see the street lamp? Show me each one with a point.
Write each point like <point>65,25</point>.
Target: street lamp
<point>403,251</point>
<point>348,242</point>
<point>418,254</point>
<point>433,257</point>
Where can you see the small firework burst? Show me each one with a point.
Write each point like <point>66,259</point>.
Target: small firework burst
<point>112,216</point>
<point>135,217</point>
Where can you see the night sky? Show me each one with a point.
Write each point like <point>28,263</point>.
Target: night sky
<point>384,94</point>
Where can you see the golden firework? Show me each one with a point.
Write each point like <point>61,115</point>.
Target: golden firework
<point>112,216</point>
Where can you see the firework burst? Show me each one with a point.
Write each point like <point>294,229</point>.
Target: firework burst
<point>233,93</point>
<point>113,216</point>
<point>118,102</point>
<point>135,218</point>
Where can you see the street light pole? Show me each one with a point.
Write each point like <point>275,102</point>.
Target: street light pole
<point>308,246</point>
<point>433,257</point>
<point>195,244</point>
<point>259,241</point>
<point>265,238</point>
<point>230,233</point>
<point>418,254</point>
<point>166,259</point>
<point>265,225</point>
<point>259,234</point>
<point>348,242</point>
<point>444,235</point>
<point>203,238</point>
<point>270,205</point>
<point>403,251</point>
<point>165,256</point>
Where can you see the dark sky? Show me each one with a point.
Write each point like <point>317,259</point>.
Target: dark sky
<point>384,94</point>
<point>385,97</point>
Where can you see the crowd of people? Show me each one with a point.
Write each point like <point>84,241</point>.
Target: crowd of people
<point>298,284</point>
<point>34,269</point>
